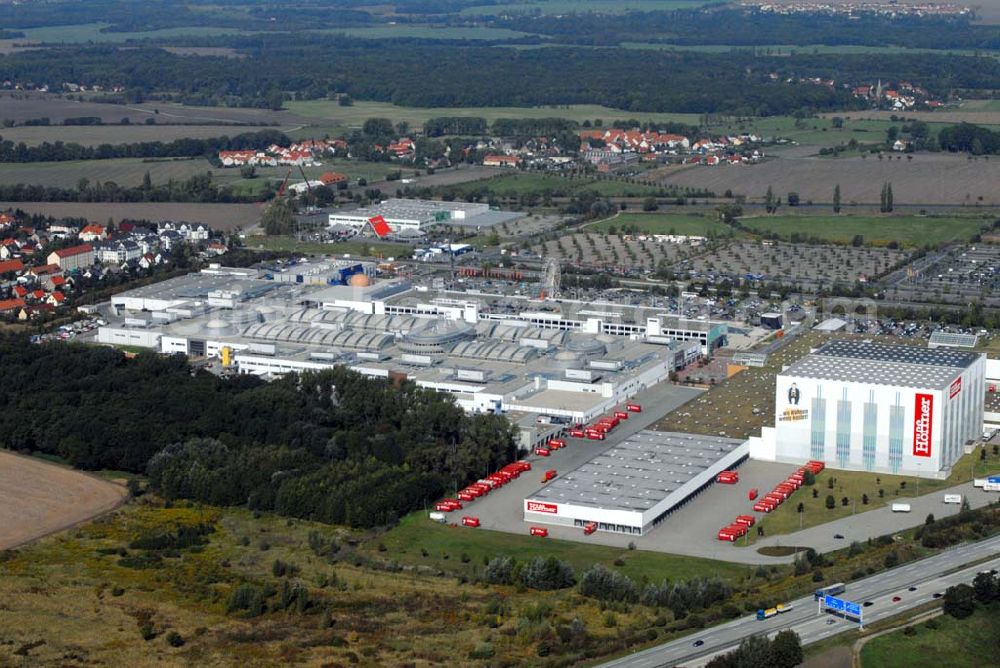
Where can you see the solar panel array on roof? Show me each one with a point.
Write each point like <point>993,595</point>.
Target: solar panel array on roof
<point>882,364</point>
<point>894,353</point>
<point>638,473</point>
<point>953,340</point>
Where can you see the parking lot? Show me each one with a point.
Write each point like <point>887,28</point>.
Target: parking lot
<point>792,263</point>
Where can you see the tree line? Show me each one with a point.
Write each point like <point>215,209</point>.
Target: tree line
<point>331,446</point>
<point>178,148</point>
<point>970,138</point>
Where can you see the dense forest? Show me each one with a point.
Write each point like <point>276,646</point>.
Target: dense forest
<point>748,27</point>
<point>419,74</point>
<point>178,148</point>
<point>332,446</point>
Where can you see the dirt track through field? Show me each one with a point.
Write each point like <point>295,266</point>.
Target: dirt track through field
<point>37,499</point>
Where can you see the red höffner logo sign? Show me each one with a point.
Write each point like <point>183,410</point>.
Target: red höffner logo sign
<point>539,507</point>
<point>923,423</point>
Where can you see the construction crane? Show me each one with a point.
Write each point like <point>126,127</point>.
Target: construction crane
<point>281,188</point>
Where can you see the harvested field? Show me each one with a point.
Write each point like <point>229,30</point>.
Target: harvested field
<point>929,178</point>
<point>217,216</point>
<point>37,498</point>
<point>93,135</point>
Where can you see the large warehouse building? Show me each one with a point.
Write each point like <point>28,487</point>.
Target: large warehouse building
<point>635,485</point>
<point>876,407</point>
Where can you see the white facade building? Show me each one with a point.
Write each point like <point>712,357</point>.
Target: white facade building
<point>635,485</point>
<point>876,407</point>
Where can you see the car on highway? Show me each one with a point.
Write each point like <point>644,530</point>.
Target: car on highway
<point>838,536</point>
<point>699,643</point>
<point>896,599</point>
<point>936,594</point>
<point>868,604</point>
<point>913,589</point>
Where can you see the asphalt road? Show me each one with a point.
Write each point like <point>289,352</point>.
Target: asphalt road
<point>934,574</point>
<point>881,521</point>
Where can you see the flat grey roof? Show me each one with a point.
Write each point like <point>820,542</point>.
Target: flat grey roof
<point>882,364</point>
<point>639,472</point>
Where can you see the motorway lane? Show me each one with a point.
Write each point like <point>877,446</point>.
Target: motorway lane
<point>928,575</point>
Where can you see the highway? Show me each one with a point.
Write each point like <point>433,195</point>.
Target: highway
<point>928,576</point>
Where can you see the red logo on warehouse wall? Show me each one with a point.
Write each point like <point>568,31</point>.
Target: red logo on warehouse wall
<point>539,507</point>
<point>923,423</point>
<point>955,388</point>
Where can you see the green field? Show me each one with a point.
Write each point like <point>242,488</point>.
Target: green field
<point>955,643</point>
<point>567,6</point>
<point>399,31</point>
<point>663,223</point>
<point>529,183</point>
<point>126,172</point>
<point>351,248</point>
<point>445,545</point>
<point>907,230</point>
<point>91,32</point>
<point>853,484</point>
<point>360,111</point>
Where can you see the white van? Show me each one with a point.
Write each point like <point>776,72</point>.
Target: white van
<point>900,507</point>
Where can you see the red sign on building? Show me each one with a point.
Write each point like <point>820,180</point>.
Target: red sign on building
<point>539,507</point>
<point>955,388</point>
<point>923,423</point>
<point>379,225</point>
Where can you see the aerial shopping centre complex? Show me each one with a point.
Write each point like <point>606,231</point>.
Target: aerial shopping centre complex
<point>494,353</point>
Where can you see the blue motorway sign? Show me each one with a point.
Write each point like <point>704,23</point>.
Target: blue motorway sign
<point>840,605</point>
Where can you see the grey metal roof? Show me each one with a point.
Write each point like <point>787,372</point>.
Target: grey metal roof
<point>295,333</point>
<point>639,472</point>
<point>493,350</point>
<point>882,364</point>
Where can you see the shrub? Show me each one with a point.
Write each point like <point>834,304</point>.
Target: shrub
<point>147,631</point>
<point>175,639</point>
<point>607,585</point>
<point>482,651</point>
<point>610,620</point>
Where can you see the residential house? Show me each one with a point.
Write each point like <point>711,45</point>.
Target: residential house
<point>501,161</point>
<point>74,257</point>
<point>11,267</point>
<point>8,306</point>
<point>332,178</point>
<point>93,233</point>
<point>216,248</point>
<point>56,298</point>
<point>62,230</point>
<point>117,252</point>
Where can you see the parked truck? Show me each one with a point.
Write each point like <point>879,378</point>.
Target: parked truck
<point>902,507</point>
<point>953,498</point>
